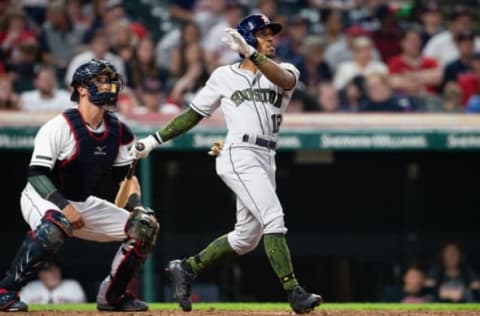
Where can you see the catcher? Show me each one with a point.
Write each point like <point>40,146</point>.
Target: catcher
<point>76,154</point>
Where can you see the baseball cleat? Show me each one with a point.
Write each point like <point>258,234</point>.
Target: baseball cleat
<point>181,284</point>
<point>301,301</point>
<point>128,303</point>
<point>10,302</point>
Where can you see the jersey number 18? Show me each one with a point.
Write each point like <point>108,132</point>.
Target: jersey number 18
<point>276,121</point>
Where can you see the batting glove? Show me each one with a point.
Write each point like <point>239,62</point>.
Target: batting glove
<point>237,43</point>
<point>149,143</point>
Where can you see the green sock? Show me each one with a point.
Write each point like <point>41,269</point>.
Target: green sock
<point>216,251</point>
<point>279,256</point>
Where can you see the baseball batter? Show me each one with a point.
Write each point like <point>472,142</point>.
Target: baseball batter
<point>253,96</point>
<point>76,155</point>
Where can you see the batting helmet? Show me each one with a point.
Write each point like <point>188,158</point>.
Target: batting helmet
<point>253,23</point>
<point>85,75</point>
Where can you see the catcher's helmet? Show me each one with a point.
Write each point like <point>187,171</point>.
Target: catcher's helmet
<point>252,23</point>
<point>85,75</point>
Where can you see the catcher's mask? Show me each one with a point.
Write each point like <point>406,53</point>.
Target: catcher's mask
<point>253,23</point>
<point>89,75</point>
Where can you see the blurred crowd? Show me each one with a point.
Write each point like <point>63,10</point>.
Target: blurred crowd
<point>353,55</point>
<point>449,279</point>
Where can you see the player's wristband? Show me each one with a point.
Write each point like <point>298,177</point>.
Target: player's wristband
<point>258,58</point>
<point>158,138</point>
<point>57,198</point>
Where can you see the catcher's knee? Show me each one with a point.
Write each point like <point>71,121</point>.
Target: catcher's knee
<point>142,226</point>
<point>53,229</point>
<point>245,241</point>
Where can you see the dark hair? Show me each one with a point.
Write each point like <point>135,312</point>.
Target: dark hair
<point>444,246</point>
<point>411,29</point>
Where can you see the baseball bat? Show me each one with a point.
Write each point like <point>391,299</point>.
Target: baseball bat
<point>124,190</point>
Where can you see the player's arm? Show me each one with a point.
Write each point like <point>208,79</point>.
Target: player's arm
<point>39,180</point>
<point>47,147</point>
<point>177,126</point>
<point>277,74</point>
<point>273,71</point>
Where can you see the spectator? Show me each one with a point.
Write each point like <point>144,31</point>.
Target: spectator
<point>380,96</point>
<point>431,19</point>
<point>122,40</point>
<point>77,15</point>
<point>205,14</point>
<point>412,289</point>
<point>473,104</point>
<point>46,97</point>
<point>267,7</point>
<point>99,50</point>
<point>328,98</point>
<point>333,25</point>
<point>442,46</point>
<point>109,12</point>
<point>364,14</point>
<point>289,47</point>
<point>22,68</point>
<point>50,288</point>
<point>353,94</point>
<point>151,96</point>
<point>452,279</point>
<point>387,37</point>
<point>412,73</point>
<point>59,40</point>
<point>362,63</point>
<point>452,97</point>
<point>143,66</point>
<point>182,11</point>
<point>342,50</point>
<point>464,42</point>
<point>9,100</point>
<point>14,34</point>
<point>215,51</point>
<point>187,68</point>
<point>127,101</point>
<point>469,81</point>
<point>313,69</point>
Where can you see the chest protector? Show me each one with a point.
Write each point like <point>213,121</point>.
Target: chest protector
<point>90,168</point>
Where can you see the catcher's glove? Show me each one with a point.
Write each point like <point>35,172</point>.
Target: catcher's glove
<point>216,148</point>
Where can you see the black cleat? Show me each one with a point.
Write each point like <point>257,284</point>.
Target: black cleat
<point>301,301</point>
<point>181,284</point>
<point>128,303</point>
<point>10,302</point>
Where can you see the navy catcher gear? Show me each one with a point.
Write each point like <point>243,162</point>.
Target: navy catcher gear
<point>253,23</point>
<point>86,75</point>
<point>141,230</point>
<point>37,249</point>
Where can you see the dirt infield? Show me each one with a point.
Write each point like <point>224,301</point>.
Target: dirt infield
<point>250,313</point>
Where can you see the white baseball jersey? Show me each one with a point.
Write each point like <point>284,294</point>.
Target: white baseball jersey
<point>251,103</point>
<point>68,291</point>
<point>103,220</point>
<point>253,106</point>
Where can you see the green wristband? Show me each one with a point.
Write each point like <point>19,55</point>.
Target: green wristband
<point>258,59</point>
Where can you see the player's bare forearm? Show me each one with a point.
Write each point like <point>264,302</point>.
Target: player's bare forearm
<point>276,74</point>
<point>180,124</point>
